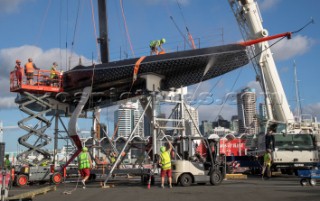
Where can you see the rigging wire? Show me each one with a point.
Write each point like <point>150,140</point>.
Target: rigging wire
<point>95,31</point>
<point>75,29</point>
<point>175,24</point>
<point>126,27</point>
<point>185,23</point>
<point>38,36</point>
<point>67,30</point>
<point>60,32</point>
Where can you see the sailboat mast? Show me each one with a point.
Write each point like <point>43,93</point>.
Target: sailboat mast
<point>298,106</point>
<point>103,27</point>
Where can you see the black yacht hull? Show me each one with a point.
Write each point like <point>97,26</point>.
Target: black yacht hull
<point>177,69</point>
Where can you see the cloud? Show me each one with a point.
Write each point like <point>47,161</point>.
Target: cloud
<point>211,112</point>
<point>10,6</point>
<point>287,49</point>
<point>312,109</point>
<point>267,4</point>
<point>43,60</point>
<point>7,102</point>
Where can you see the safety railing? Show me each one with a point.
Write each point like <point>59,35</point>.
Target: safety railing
<point>41,81</point>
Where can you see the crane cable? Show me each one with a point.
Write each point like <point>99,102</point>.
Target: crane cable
<point>126,27</point>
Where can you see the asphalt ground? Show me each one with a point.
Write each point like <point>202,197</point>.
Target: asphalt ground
<point>284,188</point>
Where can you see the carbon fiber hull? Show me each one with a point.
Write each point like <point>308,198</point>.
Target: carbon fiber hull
<point>179,69</point>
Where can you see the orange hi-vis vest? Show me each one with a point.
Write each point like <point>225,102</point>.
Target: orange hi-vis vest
<point>29,67</point>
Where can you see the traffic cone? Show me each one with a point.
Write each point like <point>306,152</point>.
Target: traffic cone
<point>149,182</point>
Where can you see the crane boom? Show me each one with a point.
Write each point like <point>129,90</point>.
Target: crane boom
<point>289,140</point>
<point>250,23</point>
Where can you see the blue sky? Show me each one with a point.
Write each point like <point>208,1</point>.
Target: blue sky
<point>46,30</point>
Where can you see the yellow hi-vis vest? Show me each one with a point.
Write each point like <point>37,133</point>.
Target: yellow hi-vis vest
<point>267,159</point>
<point>165,160</point>
<point>83,160</point>
<point>53,72</point>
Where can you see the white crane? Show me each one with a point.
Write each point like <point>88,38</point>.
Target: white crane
<point>293,146</point>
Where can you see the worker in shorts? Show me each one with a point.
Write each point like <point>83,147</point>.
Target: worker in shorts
<point>85,164</point>
<point>267,159</point>
<point>154,46</point>
<point>165,163</point>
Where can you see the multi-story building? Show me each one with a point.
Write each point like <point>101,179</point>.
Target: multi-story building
<point>234,126</point>
<point>247,114</point>
<point>126,117</point>
<point>191,121</point>
<point>206,127</point>
<point>221,123</point>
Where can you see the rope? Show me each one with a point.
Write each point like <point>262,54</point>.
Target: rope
<point>60,34</point>
<point>175,24</point>
<point>75,29</point>
<point>310,22</point>
<point>67,2</point>
<point>75,188</point>
<point>93,70</point>
<point>95,32</point>
<point>126,28</point>
<point>185,23</point>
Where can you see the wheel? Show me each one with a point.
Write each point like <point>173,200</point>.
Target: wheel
<point>216,178</point>
<point>312,182</point>
<point>185,180</point>
<point>21,180</point>
<point>56,178</point>
<point>303,182</point>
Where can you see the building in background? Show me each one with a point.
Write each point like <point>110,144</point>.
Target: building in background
<point>191,120</point>
<point>221,122</point>
<point>246,101</point>
<point>234,124</point>
<point>126,117</point>
<point>206,127</point>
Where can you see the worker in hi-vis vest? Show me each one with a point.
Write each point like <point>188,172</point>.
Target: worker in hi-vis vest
<point>30,67</point>
<point>85,164</point>
<point>165,163</point>
<point>267,159</point>
<point>154,46</point>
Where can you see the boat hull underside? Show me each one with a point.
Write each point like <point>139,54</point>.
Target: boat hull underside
<point>177,69</point>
